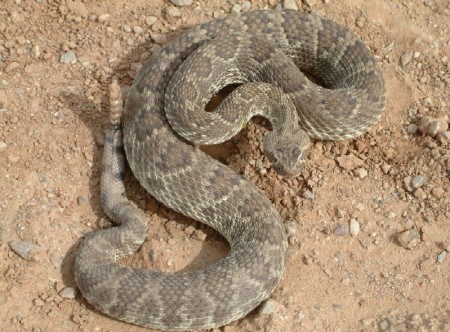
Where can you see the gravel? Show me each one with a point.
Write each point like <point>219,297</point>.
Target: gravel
<point>441,257</point>
<point>290,4</point>
<point>269,307</point>
<point>417,181</point>
<point>67,57</point>
<point>341,230</point>
<point>24,249</point>
<point>150,20</point>
<point>408,239</point>
<point>68,293</point>
<point>406,58</point>
<point>182,3</point>
<point>354,227</point>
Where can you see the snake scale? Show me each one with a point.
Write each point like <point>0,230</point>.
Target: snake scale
<point>262,52</point>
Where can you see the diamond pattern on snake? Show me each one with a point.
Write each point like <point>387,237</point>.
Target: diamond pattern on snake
<point>265,54</point>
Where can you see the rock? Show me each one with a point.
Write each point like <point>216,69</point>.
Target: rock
<point>36,50</point>
<point>3,146</point>
<point>408,239</point>
<point>406,58</point>
<point>158,38</point>
<point>81,200</point>
<point>173,11</point>
<point>153,255</point>
<point>417,181</point>
<point>349,162</point>
<point>431,126</point>
<point>235,9</point>
<point>103,18</point>
<point>24,249</point>
<point>443,137</point>
<point>441,257</point>
<point>290,4</point>
<point>68,293</point>
<point>411,129</point>
<point>420,194</point>
<point>269,307</point>
<point>308,194</point>
<point>10,67</point>
<point>246,6</point>
<point>438,192</point>
<point>150,20</point>
<point>354,227</point>
<point>67,57</point>
<point>360,172</point>
<point>13,159</point>
<point>289,226</point>
<point>138,30</point>
<point>341,230</point>
<point>309,3</point>
<point>182,3</point>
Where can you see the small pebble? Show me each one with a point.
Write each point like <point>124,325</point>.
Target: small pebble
<point>384,325</point>
<point>431,126</point>
<point>103,18</point>
<point>354,227</point>
<point>24,249</point>
<point>68,293</point>
<point>67,57</point>
<point>349,162</point>
<point>81,200</point>
<point>150,20</point>
<point>269,307</point>
<point>182,3</point>
<point>408,239</point>
<point>3,146</point>
<point>341,230</point>
<point>441,257</point>
<point>158,38</point>
<point>360,172</point>
<point>235,9</point>
<point>406,58</point>
<point>11,67</point>
<point>13,159</point>
<point>309,194</point>
<point>417,181</point>
<point>246,6</point>
<point>411,129</point>
<point>173,11</point>
<point>289,226</point>
<point>290,4</point>
<point>153,255</point>
<point>138,30</point>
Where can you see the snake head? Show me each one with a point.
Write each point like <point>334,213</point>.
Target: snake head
<point>287,153</point>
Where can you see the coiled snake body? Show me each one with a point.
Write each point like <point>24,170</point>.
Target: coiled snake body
<point>261,46</point>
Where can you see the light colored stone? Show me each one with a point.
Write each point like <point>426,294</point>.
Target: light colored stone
<point>68,293</point>
<point>354,227</point>
<point>408,239</point>
<point>68,57</point>
<point>182,3</point>
<point>290,4</point>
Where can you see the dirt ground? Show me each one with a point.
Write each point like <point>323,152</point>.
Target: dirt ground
<point>56,60</point>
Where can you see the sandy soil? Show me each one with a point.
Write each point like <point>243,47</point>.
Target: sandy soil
<point>393,182</point>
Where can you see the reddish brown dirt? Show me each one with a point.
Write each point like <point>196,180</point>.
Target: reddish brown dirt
<point>52,117</point>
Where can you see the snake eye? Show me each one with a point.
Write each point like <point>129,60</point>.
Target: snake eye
<point>278,154</point>
<point>297,153</point>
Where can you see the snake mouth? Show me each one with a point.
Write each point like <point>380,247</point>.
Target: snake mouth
<point>288,172</point>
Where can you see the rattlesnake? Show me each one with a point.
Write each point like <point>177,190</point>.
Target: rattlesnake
<point>185,179</point>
